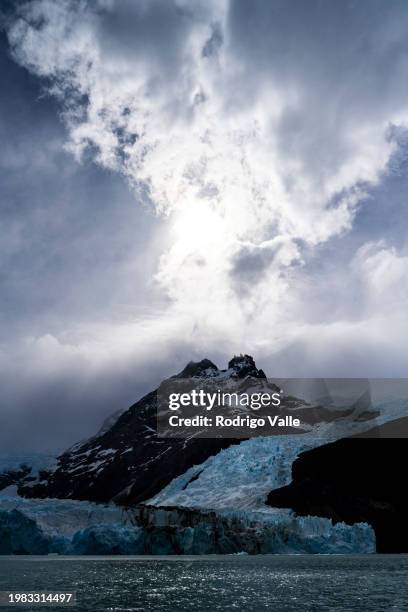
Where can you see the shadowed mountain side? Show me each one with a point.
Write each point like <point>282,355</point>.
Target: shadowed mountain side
<point>355,480</point>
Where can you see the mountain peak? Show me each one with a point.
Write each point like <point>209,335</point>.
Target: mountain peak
<point>244,365</point>
<point>205,367</point>
<point>239,366</point>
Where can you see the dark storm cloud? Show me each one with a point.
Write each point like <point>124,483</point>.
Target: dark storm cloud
<point>55,407</point>
<point>70,244</point>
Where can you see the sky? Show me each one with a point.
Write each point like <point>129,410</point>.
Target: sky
<point>188,179</point>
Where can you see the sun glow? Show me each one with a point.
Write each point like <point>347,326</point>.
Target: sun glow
<point>198,227</point>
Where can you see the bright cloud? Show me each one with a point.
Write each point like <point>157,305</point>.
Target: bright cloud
<point>257,136</point>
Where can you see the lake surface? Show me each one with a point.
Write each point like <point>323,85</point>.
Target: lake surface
<point>277,583</point>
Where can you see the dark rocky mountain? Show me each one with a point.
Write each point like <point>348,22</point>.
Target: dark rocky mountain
<point>355,480</point>
<point>127,461</point>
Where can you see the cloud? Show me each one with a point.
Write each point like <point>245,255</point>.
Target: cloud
<point>58,390</point>
<point>259,133</point>
<point>185,125</point>
<point>384,275</point>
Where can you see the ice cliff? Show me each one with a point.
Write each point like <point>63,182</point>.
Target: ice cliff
<point>72,527</point>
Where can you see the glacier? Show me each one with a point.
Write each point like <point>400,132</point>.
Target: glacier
<point>236,482</point>
<point>217,507</point>
<point>67,527</point>
<point>238,477</point>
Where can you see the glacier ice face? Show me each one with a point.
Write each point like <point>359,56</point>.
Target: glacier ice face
<point>21,535</point>
<point>42,526</point>
<point>108,540</point>
<point>62,516</point>
<point>34,530</point>
<point>29,526</point>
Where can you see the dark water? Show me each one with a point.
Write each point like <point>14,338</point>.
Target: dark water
<point>276,583</point>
